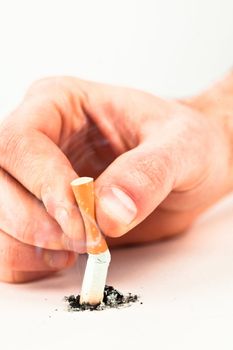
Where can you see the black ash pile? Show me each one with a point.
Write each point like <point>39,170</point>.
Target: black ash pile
<point>112,299</point>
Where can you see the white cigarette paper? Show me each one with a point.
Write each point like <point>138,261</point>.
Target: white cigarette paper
<point>95,278</point>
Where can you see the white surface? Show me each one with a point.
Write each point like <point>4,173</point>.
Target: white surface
<point>185,284</point>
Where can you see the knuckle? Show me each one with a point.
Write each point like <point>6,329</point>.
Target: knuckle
<point>9,143</point>
<point>48,84</point>
<point>154,171</point>
<point>51,95</point>
<point>27,230</point>
<point>41,92</point>
<point>41,84</point>
<point>10,146</point>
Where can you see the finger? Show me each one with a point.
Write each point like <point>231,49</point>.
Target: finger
<point>20,257</point>
<point>132,187</point>
<point>137,182</point>
<point>160,224</point>
<point>11,276</point>
<point>39,165</point>
<point>21,263</point>
<point>24,217</point>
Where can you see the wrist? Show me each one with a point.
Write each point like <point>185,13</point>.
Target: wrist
<point>216,104</point>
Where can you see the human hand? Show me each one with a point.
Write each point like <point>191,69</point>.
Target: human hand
<point>164,161</point>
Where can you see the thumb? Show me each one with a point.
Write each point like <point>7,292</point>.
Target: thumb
<point>132,187</point>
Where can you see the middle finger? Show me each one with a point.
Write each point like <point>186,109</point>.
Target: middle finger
<point>24,217</point>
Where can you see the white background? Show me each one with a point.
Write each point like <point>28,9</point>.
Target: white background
<point>171,48</point>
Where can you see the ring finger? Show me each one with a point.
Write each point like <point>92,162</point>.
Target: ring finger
<point>20,262</point>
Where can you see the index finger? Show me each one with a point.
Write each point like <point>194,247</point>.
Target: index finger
<point>32,157</point>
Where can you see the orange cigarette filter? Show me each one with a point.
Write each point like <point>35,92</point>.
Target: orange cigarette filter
<point>83,188</point>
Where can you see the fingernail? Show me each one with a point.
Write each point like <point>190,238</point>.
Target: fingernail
<point>70,222</point>
<point>117,204</point>
<point>48,235</point>
<point>78,246</point>
<point>56,260</point>
<point>62,217</point>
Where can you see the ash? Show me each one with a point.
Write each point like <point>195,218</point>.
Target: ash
<point>112,299</point>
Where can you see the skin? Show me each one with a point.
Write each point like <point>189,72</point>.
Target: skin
<point>172,160</point>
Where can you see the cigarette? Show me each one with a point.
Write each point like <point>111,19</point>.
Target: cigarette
<point>99,257</point>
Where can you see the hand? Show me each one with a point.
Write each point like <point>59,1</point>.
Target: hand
<point>158,164</point>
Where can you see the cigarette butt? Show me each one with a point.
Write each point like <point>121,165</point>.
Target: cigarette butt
<point>83,189</point>
<point>98,254</point>
<point>94,280</point>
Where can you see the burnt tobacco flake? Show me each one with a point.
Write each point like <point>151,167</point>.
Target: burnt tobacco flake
<point>112,299</point>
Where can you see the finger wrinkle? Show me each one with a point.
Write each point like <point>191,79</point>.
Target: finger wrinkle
<point>10,145</point>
